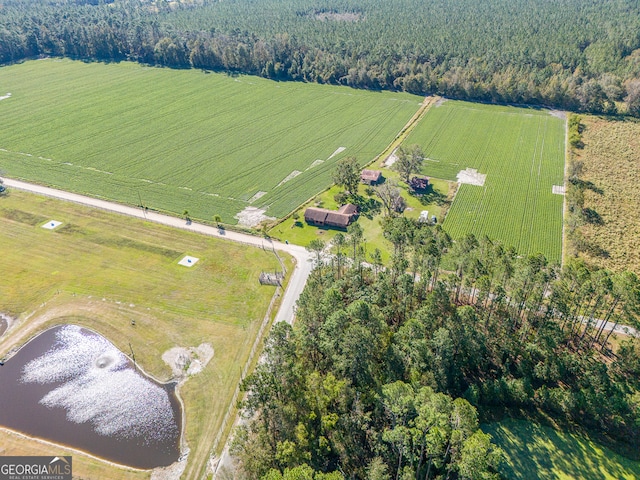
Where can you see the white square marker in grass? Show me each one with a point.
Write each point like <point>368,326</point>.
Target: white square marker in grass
<point>51,224</point>
<point>188,261</point>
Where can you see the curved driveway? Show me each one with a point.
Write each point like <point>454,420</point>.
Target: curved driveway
<point>304,263</point>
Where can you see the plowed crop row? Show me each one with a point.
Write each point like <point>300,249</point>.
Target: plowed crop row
<point>184,139</point>
<point>522,153</point>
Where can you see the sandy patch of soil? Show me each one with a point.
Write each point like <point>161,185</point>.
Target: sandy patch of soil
<point>338,151</point>
<point>470,176</point>
<point>391,159</point>
<point>439,102</point>
<point>558,113</point>
<point>315,164</point>
<point>5,323</point>
<point>293,174</point>
<point>185,362</point>
<point>257,196</point>
<point>558,189</point>
<point>252,216</point>
<point>173,471</point>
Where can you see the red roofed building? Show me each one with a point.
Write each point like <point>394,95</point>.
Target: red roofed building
<point>322,217</point>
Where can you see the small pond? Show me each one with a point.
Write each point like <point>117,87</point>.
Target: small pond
<point>71,386</point>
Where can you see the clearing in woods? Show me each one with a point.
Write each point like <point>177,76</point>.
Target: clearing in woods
<point>520,151</point>
<point>177,140</point>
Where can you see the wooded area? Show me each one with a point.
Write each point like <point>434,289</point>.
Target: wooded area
<point>576,54</point>
<point>383,372</point>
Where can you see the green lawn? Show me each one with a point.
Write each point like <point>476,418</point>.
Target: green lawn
<point>176,140</point>
<point>521,152</point>
<point>299,233</point>
<point>103,270</point>
<point>539,452</point>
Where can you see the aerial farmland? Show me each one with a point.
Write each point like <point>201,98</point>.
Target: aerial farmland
<point>240,147</point>
<point>507,161</point>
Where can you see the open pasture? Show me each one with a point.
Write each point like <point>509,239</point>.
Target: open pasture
<point>521,152</point>
<point>539,452</point>
<point>610,163</point>
<point>176,140</point>
<point>120,276</point>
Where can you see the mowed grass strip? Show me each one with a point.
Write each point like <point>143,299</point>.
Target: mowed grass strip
<point>103,270</point>
<point>179,140</point>
<point>538,452</point>
<point>520,150</point>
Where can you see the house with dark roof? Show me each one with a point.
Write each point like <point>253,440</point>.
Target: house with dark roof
<point>371,177</point>
<point>322,217</point>
<point>419,184</point>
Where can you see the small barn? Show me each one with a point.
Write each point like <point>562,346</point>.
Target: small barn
<point>340,218</point>
<point>419,184</point>
<point>371,177</point>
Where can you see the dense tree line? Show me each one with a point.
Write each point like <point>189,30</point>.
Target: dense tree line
<point>575,54</point>
<point>386,369</point>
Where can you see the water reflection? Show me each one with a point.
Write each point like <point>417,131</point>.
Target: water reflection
<point>72,386</point>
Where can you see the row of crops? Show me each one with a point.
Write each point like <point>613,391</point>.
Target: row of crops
<point>521,151</point>
<point>179,140</point>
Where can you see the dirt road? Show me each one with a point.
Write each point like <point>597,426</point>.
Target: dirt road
<point>303,258</point>
<point>297,282</point>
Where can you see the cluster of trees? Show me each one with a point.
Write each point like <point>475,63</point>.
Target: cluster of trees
<point>409,161</point>
<point>577,54</point>
<point>347,175</point>
<point>388,370</point>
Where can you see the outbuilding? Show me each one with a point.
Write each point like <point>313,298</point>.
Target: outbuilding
<point>371,177</point>
<point>419,184</point>
<point>323,217</point>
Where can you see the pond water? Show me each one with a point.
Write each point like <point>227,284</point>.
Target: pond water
<point>71,386</point>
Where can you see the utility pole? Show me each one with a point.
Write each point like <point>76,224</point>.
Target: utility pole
<point>133,357</point>
<point>142,206</point>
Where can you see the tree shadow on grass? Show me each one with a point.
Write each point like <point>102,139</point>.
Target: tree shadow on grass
<point>535,451</point>
<point>592,217</point>
<point>430,196</point>
<point>586,185</point>
<point>367,206</point>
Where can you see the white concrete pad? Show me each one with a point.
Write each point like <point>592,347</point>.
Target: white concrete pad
<point>470,176</point>
<point>51,224</point>
<point>188,261</point>
<point>558,189</point>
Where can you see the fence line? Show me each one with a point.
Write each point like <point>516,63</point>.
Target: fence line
<point>245,370</point>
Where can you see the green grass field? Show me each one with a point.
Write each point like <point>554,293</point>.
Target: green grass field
<point>300,233</point>
<point>539,452</point>
<point>520,150</point>
<point>177,140</point>
<point>103,270</point>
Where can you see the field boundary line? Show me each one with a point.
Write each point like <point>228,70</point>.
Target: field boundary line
<point>406,130</point>
<point>398,139</point>
<point>258,340</point>
<point>567,158</point>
